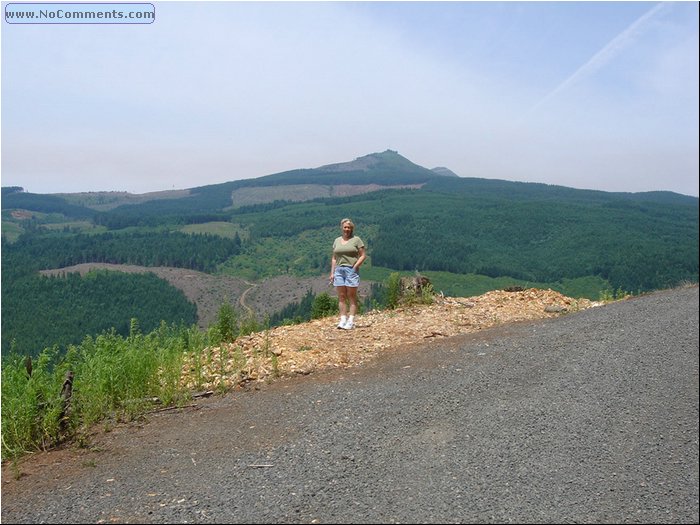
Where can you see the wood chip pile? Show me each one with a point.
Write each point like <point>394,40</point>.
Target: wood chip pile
<point>319,344</point>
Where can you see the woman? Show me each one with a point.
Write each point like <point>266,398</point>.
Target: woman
<point>348,256</point>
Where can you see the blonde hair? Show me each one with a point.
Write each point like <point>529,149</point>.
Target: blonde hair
<point>347,221</point>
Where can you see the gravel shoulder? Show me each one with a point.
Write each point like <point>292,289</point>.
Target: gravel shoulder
<point>589,417</point>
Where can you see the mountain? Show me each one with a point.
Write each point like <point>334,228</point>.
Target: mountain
<point>493,227</point>
<point>469,235</point>
<point>369,173</point>
<point>373,172</point>
<point>445,172</point>
<point>387,161</point>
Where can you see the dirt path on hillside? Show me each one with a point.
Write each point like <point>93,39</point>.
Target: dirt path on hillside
<point>242,299</point>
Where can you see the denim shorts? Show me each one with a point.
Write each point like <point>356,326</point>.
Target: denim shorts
<point>346,276</point>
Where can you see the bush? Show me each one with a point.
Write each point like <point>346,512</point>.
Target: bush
<point>227,324</point>
<point>393,290</point>
<point>323,306</point>
<point>408,291</point>
<point>114,376</point>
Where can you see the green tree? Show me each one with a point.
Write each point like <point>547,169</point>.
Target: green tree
<point>227,323</point>
<point>323,306</point>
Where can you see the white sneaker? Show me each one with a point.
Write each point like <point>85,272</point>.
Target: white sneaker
<point>342,323</point>
<point>348,325</point>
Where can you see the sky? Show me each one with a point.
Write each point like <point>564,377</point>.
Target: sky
<point>594,95</point>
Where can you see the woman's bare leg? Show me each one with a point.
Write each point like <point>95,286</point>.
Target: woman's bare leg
<point>352,298</point>
<point>342,299</point>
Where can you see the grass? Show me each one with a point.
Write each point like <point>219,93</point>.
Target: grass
<point>81,226</point>
<point>469,285</point>
<point>220,228</point>
<point>107,200</point>
<point>115,377</point>
<point>11,230</point>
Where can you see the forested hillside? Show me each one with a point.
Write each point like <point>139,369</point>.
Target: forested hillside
<point>468,231</point>
<point>43,251</point>
<point>40,312</point>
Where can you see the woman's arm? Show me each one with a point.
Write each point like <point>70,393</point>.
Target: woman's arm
<point>360,259</point>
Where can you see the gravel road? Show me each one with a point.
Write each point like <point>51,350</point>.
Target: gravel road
<point>587,418</point>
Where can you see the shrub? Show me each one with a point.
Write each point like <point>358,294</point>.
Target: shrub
<point>323,306</point>
<point>227,324</point>
<point>393,290</point>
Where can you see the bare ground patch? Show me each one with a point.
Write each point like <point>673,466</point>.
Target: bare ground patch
<point>318,344</point>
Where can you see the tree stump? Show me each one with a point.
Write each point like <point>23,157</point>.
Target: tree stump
<point>66,394</point>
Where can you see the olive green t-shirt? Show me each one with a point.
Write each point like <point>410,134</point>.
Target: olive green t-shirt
<point>348,253</point>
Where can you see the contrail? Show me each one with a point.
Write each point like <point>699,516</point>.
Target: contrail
<point>602,57</point>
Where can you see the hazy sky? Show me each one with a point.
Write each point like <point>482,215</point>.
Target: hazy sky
<point>597,95</point>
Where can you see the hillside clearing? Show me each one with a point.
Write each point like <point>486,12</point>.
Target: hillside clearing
<point>209,292</point>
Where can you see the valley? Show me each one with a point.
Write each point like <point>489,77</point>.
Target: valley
<point>209,291</point>
<point>262,245</point>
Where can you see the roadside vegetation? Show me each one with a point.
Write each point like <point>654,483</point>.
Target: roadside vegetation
<point>58,396</point>
<point>106,379</point>
<point>467,235</point>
